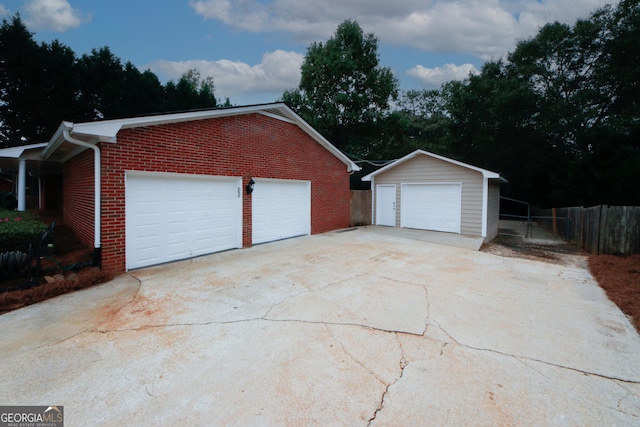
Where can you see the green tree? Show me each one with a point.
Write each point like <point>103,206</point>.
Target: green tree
<point>37,82</point>
<point>585,77</point>
<point>613,170</point>
<point>142,92</point>
<point>110,89</point>
<point>191,91</point>
<point>424,121</point>
<point>491,125</point>
<point>559,117</point>
<point>344,92</point>
<point>43,84</point>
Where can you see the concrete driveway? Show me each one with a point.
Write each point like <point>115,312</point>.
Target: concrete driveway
<point>340,329</point>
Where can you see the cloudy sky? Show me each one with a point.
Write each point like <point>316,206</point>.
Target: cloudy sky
<point>253,48</point>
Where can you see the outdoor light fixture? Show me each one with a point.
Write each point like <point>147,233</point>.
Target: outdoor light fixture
<point>250,186</point>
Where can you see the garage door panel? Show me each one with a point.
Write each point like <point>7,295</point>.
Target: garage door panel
<point>280,209</point>
<point>431,206</point>
<point>171,217</point>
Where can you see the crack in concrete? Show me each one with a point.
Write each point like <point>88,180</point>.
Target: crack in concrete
<point>402,364</point>
<point>618,409</point>
<point>276,304</point>
<point>308,291</point>
<point>353,358</point>
<point>253,319</point>
<point>556,365</point>
<point>391,279</point>
<point>506,298</point>
<point>520,358</point>
<point>622,399</point>
<point>444,346</point>
<point>91,329</point>
<point>316,322</point>
<point>447,333</point>
<point>631,392</point>
<point>426,322</point>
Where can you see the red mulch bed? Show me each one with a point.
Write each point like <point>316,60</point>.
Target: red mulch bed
<point>620,278</point>
<point>68,251</point>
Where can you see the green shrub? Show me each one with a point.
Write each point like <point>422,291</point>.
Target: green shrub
<point>18,230</point>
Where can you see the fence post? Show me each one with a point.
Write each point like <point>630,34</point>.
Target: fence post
<point>602,232</point>
<point>582,221</point>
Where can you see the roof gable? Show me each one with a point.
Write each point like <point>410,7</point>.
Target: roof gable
<point>485,173</point>
<point>95,132</point>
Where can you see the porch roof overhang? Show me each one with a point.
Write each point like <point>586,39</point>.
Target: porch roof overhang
<point>10,159</point>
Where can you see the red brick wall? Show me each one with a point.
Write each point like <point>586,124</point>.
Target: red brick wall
<point>250,146</point>
<point>78,199</point>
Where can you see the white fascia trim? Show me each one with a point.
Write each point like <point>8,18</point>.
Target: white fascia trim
<point>278,117</point>
<point>485,173</point>
<point>110,128</point>
<point>57,139</point>
<point>17,152</point>
<point>351,166</point>
<point>107,130</point>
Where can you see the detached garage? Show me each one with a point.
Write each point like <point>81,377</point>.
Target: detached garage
<point>430,192</point>
<point>149,190</point>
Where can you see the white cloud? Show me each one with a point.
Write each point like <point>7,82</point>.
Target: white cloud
<point>54,15</point>
<point>4,11</point>
<point>434,77</point>
<point>485,28</point>
<point>278,70</point>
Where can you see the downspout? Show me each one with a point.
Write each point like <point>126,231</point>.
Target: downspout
<point>97,178</point>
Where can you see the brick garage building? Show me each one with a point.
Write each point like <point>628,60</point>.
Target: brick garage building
<point>175,186</point>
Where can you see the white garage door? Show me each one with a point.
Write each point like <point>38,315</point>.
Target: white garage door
<point>171,217</point>
<point>431,206</point>
<point>280,209</point>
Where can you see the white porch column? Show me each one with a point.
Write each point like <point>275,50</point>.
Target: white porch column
<point>22,185</point>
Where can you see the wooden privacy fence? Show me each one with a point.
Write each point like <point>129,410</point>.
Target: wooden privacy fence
<point>598,230</point>
<point>360,207</point>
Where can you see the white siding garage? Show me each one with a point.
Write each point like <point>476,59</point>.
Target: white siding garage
<point>431,206</point>
<point>437,193</point>
<point>173,216</point>
<point>280,209</point>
